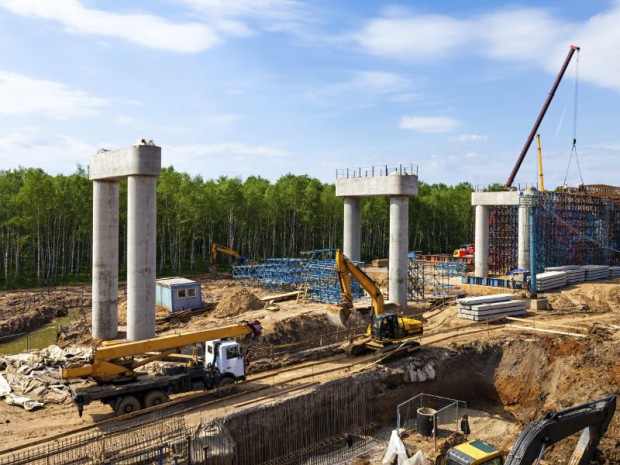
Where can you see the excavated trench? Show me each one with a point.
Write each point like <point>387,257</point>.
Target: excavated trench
<point>517,380</point>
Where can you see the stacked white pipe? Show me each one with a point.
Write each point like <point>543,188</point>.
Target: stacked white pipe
<point>574,273</point>
<point>487,307</point>
<point>594,272</point>
<point>550,280</point>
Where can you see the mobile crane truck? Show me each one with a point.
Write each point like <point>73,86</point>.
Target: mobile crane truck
<point>117,383</point>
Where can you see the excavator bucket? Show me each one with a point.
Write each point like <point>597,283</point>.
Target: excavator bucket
<point>345,313</point>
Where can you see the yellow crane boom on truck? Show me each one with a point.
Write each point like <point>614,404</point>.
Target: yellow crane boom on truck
<point>385,328</point>
<point>113,367</point>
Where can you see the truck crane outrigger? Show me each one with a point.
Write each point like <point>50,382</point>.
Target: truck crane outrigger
<point>385,328</point>
<point>113,368</point>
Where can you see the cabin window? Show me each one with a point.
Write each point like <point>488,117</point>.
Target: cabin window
<point>191,292</point>
<point>181,293</point>
<point>232,352</point>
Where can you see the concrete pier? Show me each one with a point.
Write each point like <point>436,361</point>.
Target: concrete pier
<point>398,182</point>
<point>140,164</point>
<point>399,248</point>
<point>481,254</point>
<point>351,243</point>
<point>523,246</point>
<point>141,256</point>
<point>105,260</point>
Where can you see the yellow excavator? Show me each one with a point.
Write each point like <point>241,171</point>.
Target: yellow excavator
<point>385,329</point>
<point>238,258</point>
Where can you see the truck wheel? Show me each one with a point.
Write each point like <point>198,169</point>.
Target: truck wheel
<point>155,397</point>
<point>128,404</point>
<point>225,388</point>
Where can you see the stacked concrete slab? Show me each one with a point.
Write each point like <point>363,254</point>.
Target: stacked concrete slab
<point>614,271</point>
<point>594,272</point>
<point>550,280</point>
<point>574,273</point>
<point>488,307</point>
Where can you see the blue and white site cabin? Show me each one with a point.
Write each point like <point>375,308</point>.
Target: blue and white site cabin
<point>178,294</point>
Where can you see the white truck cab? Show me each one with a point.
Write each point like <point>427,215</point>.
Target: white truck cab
<point>226,357</point>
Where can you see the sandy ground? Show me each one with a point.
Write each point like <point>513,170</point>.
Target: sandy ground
<point>555,365</point>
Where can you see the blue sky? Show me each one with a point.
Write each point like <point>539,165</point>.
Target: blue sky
<point>268,87</point>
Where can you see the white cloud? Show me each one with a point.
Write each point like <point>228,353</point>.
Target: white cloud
<point>275,9</point>
<point>34,147</point>
<point>429,124</point>
<point>376,82</point>
<point>470,138</point>
<point>535,36</point>
<point>22,95</point>
<point>139,28</point>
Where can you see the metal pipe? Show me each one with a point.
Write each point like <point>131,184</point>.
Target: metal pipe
<point>541,115</point>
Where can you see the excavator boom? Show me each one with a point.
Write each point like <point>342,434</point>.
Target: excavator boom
<point>592,418</point>
<point>346,268</point>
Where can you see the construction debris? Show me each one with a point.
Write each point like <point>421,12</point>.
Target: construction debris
<point>484,308</point>
<point>30,380</point>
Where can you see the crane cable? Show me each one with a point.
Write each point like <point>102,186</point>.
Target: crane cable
<point>574,147</point>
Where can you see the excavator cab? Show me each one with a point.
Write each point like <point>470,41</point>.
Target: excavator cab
<point>388,327</point>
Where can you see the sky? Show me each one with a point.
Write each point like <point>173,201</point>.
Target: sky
<point>270,87</point>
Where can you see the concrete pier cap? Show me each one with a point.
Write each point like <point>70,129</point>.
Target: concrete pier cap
<point>397,181</point>
<point>140,164</point>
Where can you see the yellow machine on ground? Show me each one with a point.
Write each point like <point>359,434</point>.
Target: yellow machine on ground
<point>238,258</point>
<point>385,328</point>
<point>118,383</point>
<point>592,419</point>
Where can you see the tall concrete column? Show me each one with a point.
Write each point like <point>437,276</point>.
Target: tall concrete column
<point>141,256</point>
<point>105,260</point>
<point>481,255</point>
<point>399,247</point>
<point>351,244</point>
<point>523,246</point>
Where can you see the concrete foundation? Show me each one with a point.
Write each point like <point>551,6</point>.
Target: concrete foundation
<point>105,260</point>
<point>351,243</point>
<point>141,256</point>
<point>523,246</point>
<point>399,247</point>
<point>538,304</point>
<point>141,164</point>
<point>481,255</point>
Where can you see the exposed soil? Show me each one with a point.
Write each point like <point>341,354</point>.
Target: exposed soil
<point>235,301</point>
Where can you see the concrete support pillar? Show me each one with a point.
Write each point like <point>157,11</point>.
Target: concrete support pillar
<point>105,260</point>
<point>481,255</point>
<point>351,244</point>
<point>141,256</point>
<point>523,245</point>
<point>399,248</point>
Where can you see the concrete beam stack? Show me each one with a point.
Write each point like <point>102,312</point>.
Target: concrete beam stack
<point>492,306</point>
<point>398,183</point>
<point>614,271</point>
<point>594,272</point>
<point>550,280</point>
<point>574,273</point>
<point>140,164</point>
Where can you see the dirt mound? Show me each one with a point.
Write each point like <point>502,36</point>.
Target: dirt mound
<point>302,327</point>
<point>600,297</point>
<point>236,300</point>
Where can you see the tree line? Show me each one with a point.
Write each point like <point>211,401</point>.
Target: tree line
<point>46,222</point>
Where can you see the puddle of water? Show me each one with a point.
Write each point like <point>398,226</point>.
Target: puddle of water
<point>40,338</point>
